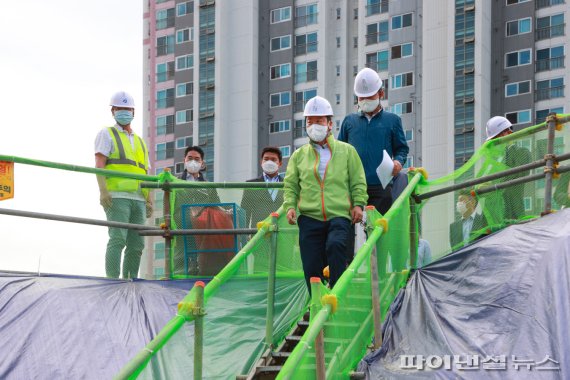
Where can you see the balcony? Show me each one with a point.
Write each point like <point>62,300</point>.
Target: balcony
<point>547,3</point>
<point>549,93</point>
<point>299,132</point>
<point>378,65</point>
<point>549,64</point>
<point>165,103</point>
<point>374,38</point>
<point>550,32</point>
<point>164,154</point>
<point>165,129</point>
<point>377,8</point>
<point>165,23</point>
<point>306,76</point>
<point>164,49</point>
<point>299,106</point>
<point>309,19</point>
<point>311,47</point>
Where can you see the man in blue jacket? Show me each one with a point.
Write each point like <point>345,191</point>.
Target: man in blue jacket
<point>371,131</point>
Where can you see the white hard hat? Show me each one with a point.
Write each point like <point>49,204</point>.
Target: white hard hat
<point>318,106</point>
<point>367,83</point>
<point>122,99</point>
<point>496,125</point>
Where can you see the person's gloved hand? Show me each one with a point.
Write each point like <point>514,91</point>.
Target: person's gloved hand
<point>148,209</point>
<point>105,200</point>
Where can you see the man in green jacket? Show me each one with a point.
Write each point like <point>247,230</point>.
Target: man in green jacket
<point>325,181</point>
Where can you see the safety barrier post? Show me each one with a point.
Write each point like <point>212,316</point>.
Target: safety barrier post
<point>414,233</point>
<point>549,169</point>
<point>319,340</point>
<point>375,286</point>
<point>271,282</point>
<point>167,236</point>
<point>198,329</point>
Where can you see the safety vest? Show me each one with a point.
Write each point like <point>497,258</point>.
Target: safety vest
<point>126,159</point>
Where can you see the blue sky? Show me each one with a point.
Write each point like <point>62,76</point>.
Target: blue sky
<point>61,62</point>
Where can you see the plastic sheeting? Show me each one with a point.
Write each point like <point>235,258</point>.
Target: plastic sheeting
<point>64,327</point>
<point>506,297</point>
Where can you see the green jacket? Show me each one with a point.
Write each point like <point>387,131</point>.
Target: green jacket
<point>343,185</point>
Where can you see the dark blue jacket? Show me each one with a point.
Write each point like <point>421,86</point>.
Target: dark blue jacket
<point>384,131</point>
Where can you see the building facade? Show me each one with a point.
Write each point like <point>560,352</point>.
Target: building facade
<point>233,76</point>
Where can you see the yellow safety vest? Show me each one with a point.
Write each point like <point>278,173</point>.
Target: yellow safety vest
<point>126,159</point>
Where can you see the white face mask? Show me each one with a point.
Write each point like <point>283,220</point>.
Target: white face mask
<point>461,207</point>
<point>317,132</point>
<point>269,167</point>
<point>368,105</point>
<point>193,167</point>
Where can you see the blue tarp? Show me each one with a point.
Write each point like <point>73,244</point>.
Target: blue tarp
<point>502,302</point>
<point>65,327</point>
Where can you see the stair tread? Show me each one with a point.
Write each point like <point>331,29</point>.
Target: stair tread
<point>268,368</point>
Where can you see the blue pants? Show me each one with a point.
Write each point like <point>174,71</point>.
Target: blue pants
<point>127,211</point>
<point>322,244</point>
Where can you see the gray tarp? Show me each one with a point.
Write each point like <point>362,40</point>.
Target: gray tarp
<point>507,294</point>
<point>65,327</point>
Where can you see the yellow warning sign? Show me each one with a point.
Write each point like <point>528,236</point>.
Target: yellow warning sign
<point>6,180</point>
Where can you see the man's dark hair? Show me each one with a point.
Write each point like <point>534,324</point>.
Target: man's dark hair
<point>272,149</point>
<point>195,149</point>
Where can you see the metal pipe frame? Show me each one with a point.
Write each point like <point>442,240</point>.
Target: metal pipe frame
<point>166,233</point>
<point>212,185</point>
<point>221,231</point>
<point>375,289</point>
<point>319,339</point>
<point>548,170</point>
<point>198,330</point>
<point>491,177</point>
<point>271,283</point>
<point>73,219</point>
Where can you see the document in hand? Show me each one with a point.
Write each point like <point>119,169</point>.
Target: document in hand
<point>384,171</point>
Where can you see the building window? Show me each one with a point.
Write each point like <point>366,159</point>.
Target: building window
<point>518,88</point>
<point>549,89</point>
<point>376,32</point>
<point>184,89</point>
<point>409,133</point>
<point>401,21</point>
<point>280,99</point>
<point>549,58</point>
<point>337,98</point>
<point>547,3</point>
<point>280,126</point>
<point>164,125</point>
<point>183,142</point>
<point>338,70</point>
<point>159,250</point>
<point>305,15</point>
<point>158,272</point>
<point>300,130</point>
<point>374,7</point>
<point>355,42</point>
<point>518,58</point>
<point>355,10</point>
<point>165,45</point>
<point>285,150</point>
<point>378,61</point>
<point>280,71</point>
<point>165,98</point>
<point>550,26</point>
<point>164,18</point>
<point>402,80</point>
<point>306,43</point>
<point>527,201</point>
<point>409,162</point>
<point>164,151</point>
<point>164,71</point>
<point>185,62</point>
<point>184,8</point>
<point>522,26</point>
<point>302,97</point>
<point>402,51</point>
<point>511,2</point>
<point>184,35</point>
<point>338,42</point>
<point>542,114</point>
<point>354,70</point>
<point>518,117</point>
<point>158,197</point>
<point>280,15</point>
<point>184,116</point>
<point>402,108</point>
<point>338,13</point>
<point>280,43</point>
<point>305,72</point>
<point>178,168</point>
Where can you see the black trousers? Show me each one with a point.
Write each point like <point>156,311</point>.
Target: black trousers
<point>322,244</point>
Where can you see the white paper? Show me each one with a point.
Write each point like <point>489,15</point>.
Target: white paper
<point>384,171</point>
